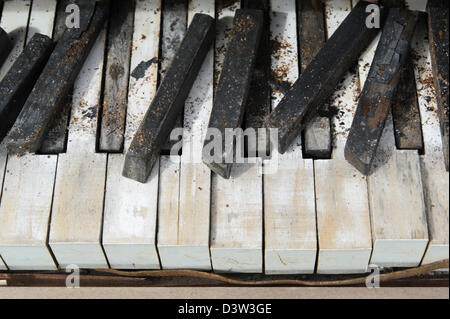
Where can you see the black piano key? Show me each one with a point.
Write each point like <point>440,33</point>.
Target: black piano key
<point>234,83</point>
<point>55,139</point>
<point>379,89</point>
<point>169,100</point>
<point>438,36</point>
<point>115,94</point>
<point>259,96</point>
<point>405,111</point>
<point>5,46</point>
<point>51,89</point>
<point>318,81</point>
<point>20,79</point>
<point>311,31</point>
<point>174,25</point>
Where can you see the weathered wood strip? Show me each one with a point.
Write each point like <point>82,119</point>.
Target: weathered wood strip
<point>233,87</point>
<point>438,34</point>
<point>405,111</point>
<point>20,79</point>
<point>435,177</point>
<point>379,89</point>
<point>45,101</point>
<point>130,213</point>
<point>115,92</point>
<point>170,97</point>
<point>174,25</point>
<point>5,45</point>
<point>258,101</point>
<point>311,31</point>
<point>319,79</point>
<point>343,217</point>
<point>55,139</point>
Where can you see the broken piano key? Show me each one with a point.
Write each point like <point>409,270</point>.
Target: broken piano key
<point>48,96</point>
<point>20,79</point>
<point>233,87</point>
<point>379,89</point>
<point>318,81</point>
<point>438,35</point>
<point>169,100</point>
<point>5,46</point>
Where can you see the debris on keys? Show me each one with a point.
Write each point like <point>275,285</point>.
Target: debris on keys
<point>405,111</point>
<point>379,89</point>
<point>5,46</point>
<point>115,94</point>
<point>48,96</point>
<point>233,88</point>
<point>319,80</point>
<point>20,79</point>
<point>438,36</point>
<point>169,99</point>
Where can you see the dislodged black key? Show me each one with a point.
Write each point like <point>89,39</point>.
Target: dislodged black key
<point>259,96</point>
<point>20,79</point>
<point>115,95</point>
<point>174,25</point>
<point>405,111</point>
<point>318,81</point>
<point>381,84</point>
<point>233,87</point>
<point>56,80</point>
<point>5,46</point>
<point>438,35</point>
<point>169,99</point>
<point>311,31</point>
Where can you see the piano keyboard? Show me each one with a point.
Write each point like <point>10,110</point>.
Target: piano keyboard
<point>312,215</point>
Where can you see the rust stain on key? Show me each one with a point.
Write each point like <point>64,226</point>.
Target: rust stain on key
<point>318,81</point>
<point>169,99</point>
<point>48,96</point>
<point>379,89</point>
<point>438,35</point>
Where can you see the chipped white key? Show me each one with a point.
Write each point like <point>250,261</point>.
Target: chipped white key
<point>129,230</point>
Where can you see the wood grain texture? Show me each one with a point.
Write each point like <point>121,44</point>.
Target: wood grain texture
<point>130,216</point>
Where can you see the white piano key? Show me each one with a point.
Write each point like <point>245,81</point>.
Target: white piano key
<point>397,207</point>
<point>435,178</point>
<point>289,201</point>
<point>192,233</point>
<point>345,241</point>
<point>236,220</point>
<point>77,215</point>
<point>129,230</point>
<point>236,203</point>
<point>28,186</point>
